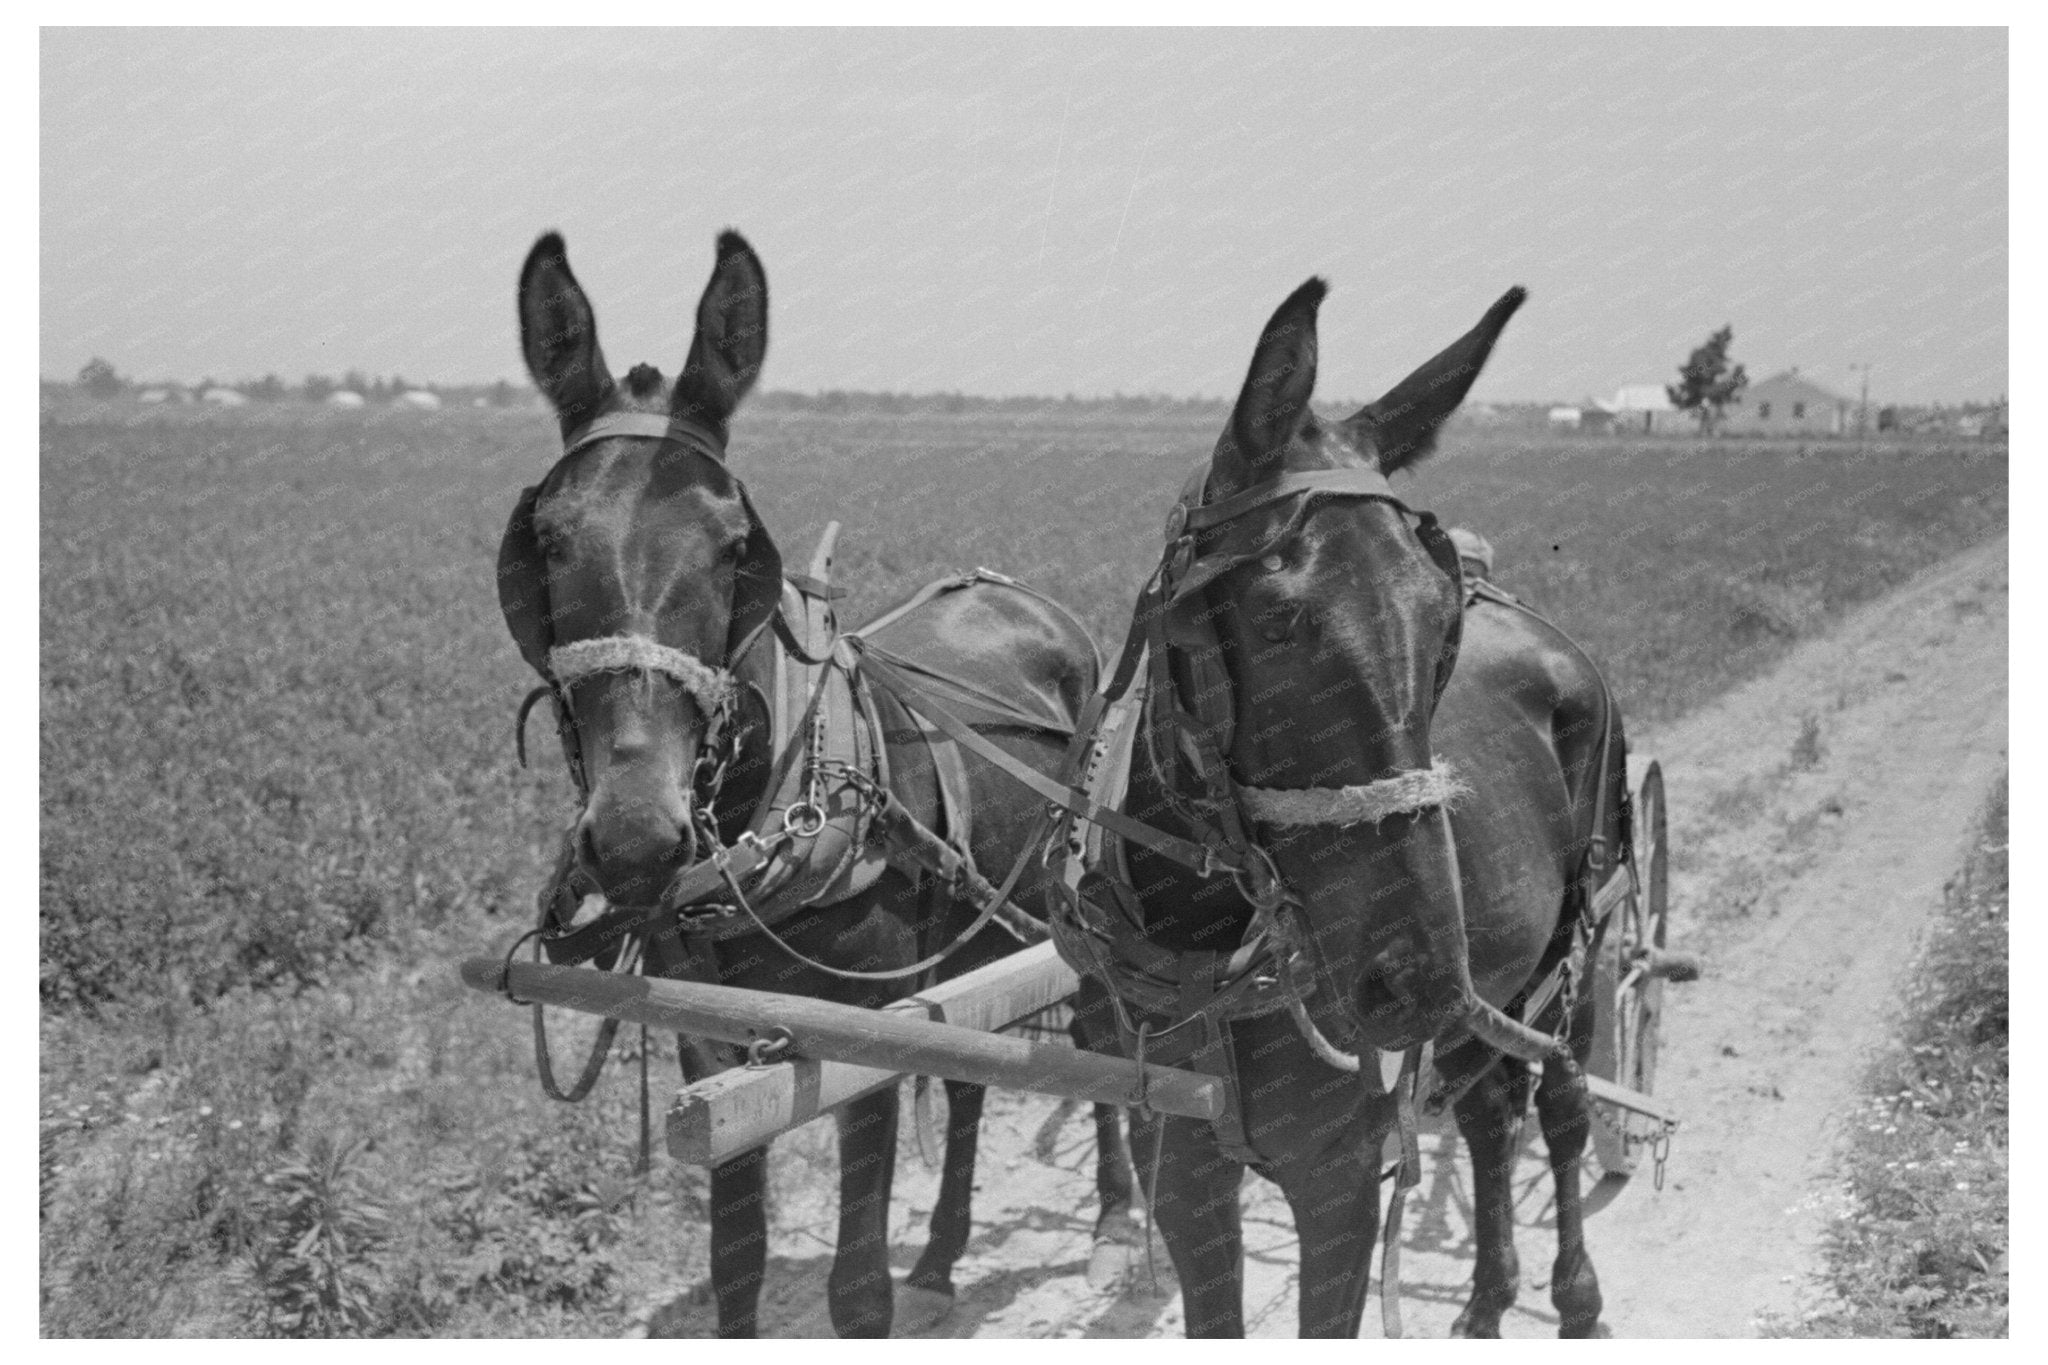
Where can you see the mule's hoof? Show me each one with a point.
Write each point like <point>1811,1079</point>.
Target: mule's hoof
<point>919,1309</point>
<point>1111,1266</point>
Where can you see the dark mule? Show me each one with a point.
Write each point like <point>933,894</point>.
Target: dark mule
<point>652,570</point>
<point>1311,631</point>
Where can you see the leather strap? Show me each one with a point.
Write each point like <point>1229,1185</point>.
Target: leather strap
<point>1197,857</point>
<point>1358,482</point>
<point>660,426</point>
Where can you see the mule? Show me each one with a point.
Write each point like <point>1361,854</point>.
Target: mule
<point>1312,624</point>
<point>640,555</point>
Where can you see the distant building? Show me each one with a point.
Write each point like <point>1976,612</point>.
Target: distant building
<point>420,398</point>
<point>1789,404</point>
<point>226,398</point>
<point>344,398</point>
<point>153,396</point>
<point>1646,407</point>
<point>1565,417</point>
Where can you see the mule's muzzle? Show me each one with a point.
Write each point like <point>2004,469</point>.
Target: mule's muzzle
<point>632,845</point>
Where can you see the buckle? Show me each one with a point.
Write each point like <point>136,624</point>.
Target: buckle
<point>1258,881</point>
<point>803,820</point>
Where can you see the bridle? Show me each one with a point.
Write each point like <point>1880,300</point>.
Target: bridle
<point>711,686</point>
<point>1192,727</point>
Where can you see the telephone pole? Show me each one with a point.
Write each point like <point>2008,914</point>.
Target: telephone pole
<point>1863,403</point>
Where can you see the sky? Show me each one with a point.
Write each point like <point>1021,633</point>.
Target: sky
<point>1045,211</point>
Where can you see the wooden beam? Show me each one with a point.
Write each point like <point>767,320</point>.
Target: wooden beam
<point>1622,1097</point>
<point>721,1116</point>
<point>886,1041</point>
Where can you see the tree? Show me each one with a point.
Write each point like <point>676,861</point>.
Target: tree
<point>268,389</point>
<point>316,388</point>
<point>1707,383</point>
<point>98,378</point>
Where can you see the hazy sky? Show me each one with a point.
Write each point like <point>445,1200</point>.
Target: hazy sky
<point>1036,211</point>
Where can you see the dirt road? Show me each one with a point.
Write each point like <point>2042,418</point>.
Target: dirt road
<point>1804,883</point>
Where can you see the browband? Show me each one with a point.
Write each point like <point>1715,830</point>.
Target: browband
<point>1358,482</point>
<point>661,426</point>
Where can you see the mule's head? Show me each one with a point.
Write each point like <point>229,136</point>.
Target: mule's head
<point>634,569</point>
<point>1338,637</point>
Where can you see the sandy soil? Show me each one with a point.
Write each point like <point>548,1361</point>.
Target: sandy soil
<point>1804,886</point>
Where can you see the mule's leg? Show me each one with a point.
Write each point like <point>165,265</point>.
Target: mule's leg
<point>739,1213</point>
<point>1337,1218</point>
<point>953,1216</point>
<point>1196,1206</point>
<point>859,1291</point>
<point>1114,1221</point>
<point>1566,1111</point>
<point>1490,1119</point>
<point>739,1240</point>
<point>1093,1031</point>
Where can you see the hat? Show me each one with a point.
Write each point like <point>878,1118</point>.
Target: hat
<point>1473,546</point>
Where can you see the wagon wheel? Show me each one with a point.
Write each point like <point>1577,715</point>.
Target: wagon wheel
<point>1629,1000</point>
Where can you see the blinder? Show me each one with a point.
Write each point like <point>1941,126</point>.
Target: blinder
<point>1189,568</point>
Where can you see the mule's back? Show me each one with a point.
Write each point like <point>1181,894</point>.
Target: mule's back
<point>996,637</point>
<point>1522,721</point>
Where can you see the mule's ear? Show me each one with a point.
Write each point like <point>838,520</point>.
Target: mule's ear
<point>1403,424</point>
<point>558,332</point>
<point>732,336</point>
<point>1276,390</point>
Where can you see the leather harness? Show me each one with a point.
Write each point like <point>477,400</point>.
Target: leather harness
<point>830,820</point>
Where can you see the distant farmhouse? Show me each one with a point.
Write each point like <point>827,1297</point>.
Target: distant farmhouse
<point>1789,404</point>
<point>1634,407</point>
<point>1647,407</point>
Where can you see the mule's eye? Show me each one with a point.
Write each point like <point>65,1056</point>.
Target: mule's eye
<point>1273,563</point>
<point>1277,623</point>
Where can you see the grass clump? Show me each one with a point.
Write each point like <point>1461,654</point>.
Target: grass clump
<point>1920,1250</point>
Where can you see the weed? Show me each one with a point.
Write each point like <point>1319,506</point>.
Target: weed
<point>320,1231</point>
<point>1806,749</point>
